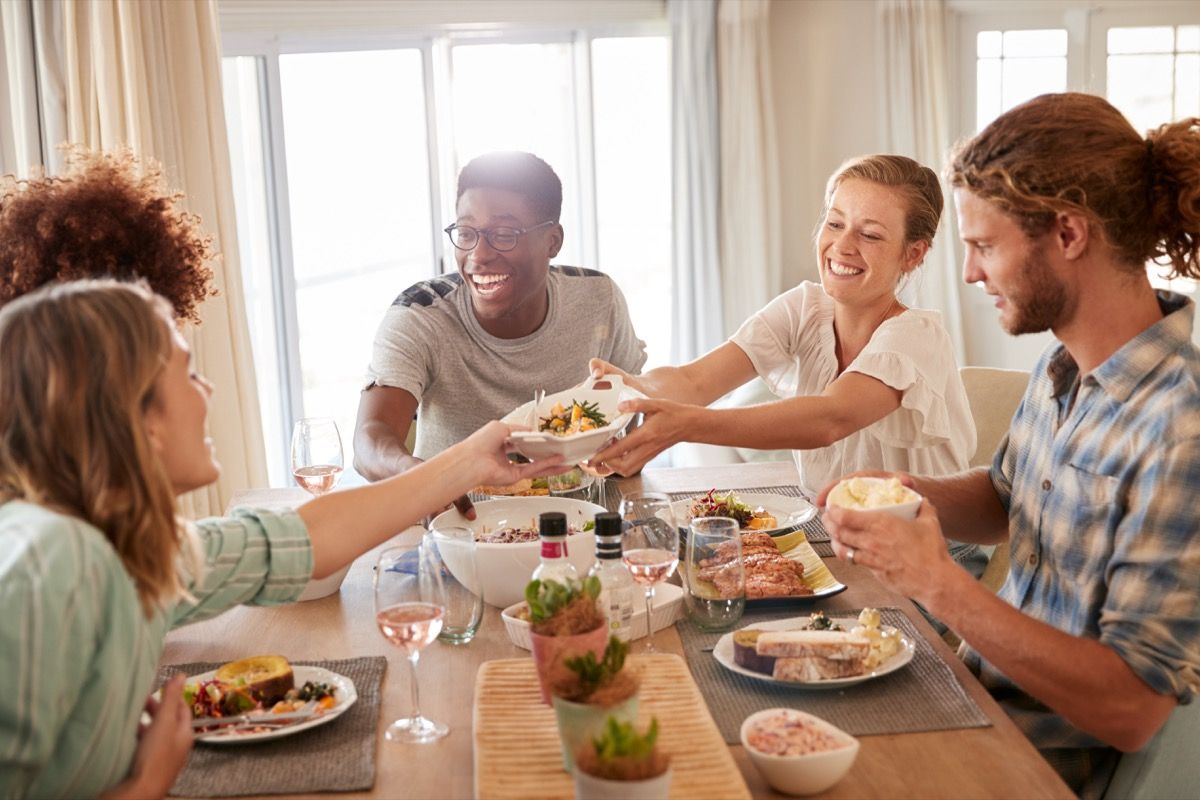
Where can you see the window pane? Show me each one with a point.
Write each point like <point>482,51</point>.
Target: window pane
<point>520,97</point>
<point>987,92</point>
<point>1018,44</point>
<point>987,44</point>
<point>1188,39</point>
<point>243,104</point>
<point>1026,78</point>
<point>1140,40</point>
<point>632,123</point>
<point>1187,86</point>
<point>1140,86</point>
<point>358,190</point>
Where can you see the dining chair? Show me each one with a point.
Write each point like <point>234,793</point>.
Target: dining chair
<point>1165,769</point>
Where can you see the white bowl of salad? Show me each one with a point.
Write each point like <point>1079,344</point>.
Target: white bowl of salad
<point>576,423</point>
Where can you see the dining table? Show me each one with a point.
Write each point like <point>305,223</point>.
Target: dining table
<point>993,761</point>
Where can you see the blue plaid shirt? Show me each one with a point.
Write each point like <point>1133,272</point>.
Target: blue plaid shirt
<point>1100,475</point>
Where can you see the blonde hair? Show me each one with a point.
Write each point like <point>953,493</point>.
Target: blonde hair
<point>1076,153</point>
<point>918,185</point>
<point>79,363</point>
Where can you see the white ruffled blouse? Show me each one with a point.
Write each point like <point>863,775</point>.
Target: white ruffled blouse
<point>791,344</point>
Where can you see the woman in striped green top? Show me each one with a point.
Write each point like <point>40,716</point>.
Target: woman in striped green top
<point>101,426</point>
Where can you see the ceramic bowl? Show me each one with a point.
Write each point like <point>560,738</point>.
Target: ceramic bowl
<point>323,587</point>
<point>605,392</point>
<point>905,510</point>
<point>504,569</point>
<point>802,774</point>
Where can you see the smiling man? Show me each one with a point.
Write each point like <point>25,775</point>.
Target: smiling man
<point>1094,638</point>
<point>469,347</point>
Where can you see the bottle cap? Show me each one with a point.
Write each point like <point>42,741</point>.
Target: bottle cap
<point>553,523</point>
<point>608,524</point>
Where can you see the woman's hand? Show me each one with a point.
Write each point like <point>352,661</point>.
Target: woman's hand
<point>666,423</point>
<point>163,745</point>
<point>490,445</point>
<point>598,368</point>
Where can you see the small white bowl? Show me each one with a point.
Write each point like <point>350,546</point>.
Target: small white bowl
<point>668,607</point>
<point>806,774</point>
<point>504,569</point>
<point>906,510</point>
<point>574,447</point>
<point>323,587</point>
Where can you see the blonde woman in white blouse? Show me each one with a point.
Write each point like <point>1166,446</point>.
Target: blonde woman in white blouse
<point>864,382</point>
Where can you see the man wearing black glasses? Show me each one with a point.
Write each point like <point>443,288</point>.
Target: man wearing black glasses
<point>472,346</point>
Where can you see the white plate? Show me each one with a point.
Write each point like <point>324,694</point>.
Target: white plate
<point>789,512</point>
<point>345,695</point>
<point>574,447</point>
<point>723,653</point>
<point>668,607</point>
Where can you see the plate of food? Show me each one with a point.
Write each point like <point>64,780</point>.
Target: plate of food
<point>766,513</point>
<point>576,423</point>
<point>816,652</point>
<point>564,483</point>
<point>779,570</point>
<point>264,697</point>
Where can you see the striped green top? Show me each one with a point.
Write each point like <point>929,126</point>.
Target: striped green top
<point>77,655</point>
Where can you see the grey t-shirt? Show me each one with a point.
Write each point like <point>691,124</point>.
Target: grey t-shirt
<point>431,345</point>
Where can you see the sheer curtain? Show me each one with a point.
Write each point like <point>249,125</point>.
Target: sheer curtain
<point>751,268</point>
<point>148,75</point>
<point>915,108</point>
<point>696,175</point>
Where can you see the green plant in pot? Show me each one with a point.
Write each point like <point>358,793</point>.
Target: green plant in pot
<point>564,619</point>
<point>589,690</point>
<point>621,763</point>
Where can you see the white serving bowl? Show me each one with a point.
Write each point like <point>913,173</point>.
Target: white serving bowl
<point>504,569</point>
<point>323,587</point>
<point>668,607</point>
<point>907,510</point>
<point>806,774</point>
<point>575,447</point>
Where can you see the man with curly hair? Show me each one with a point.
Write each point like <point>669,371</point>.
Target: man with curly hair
<point>109,215</point>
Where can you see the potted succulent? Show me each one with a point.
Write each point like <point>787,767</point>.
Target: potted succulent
<point>588,691</point>
<point>621,763</point>
<point>563,618</point>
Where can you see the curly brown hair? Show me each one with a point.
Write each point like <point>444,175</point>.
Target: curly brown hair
<point>1076,152</point>
<point>109,215</point>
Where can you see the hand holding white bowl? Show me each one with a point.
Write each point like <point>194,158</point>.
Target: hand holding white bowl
<point>875,494</point>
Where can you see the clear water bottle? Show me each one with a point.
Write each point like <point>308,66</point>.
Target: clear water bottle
<point>554,564</point>
<point>616,584</point>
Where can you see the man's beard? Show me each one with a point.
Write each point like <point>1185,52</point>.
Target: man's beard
<point>1040,302</point>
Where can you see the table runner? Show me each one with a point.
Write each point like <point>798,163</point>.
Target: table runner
<point>922,696</point>
<point>338,756</point>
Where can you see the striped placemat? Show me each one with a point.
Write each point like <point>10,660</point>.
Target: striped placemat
<point>922,696</point>
<point>518,754</point>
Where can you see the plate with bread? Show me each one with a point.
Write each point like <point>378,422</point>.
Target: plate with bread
<point>765,513</point>
<point>816,652</point>
<point>778,570</point>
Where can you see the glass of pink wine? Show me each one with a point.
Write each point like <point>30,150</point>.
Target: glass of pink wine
<point>316,454</point>
<point>650,546</point>
<point>410,608</point>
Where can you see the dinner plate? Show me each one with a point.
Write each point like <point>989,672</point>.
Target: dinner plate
<point>723,652</point>
<point>817,576</point>
<point>789,512</point>
<point>345,695</point>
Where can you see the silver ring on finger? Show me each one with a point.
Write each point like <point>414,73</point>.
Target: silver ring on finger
<point>850,555</point>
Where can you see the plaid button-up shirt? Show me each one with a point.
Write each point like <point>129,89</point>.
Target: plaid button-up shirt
<point>1100,474</point>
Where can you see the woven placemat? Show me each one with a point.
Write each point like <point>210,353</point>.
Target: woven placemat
<point>344,749</point>
<point>518,754</point>
<point>922,696</point>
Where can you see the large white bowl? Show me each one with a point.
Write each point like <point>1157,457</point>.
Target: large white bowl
<point>323,587</point>
<point>504,569</point>
<point>806,774</point>
<point>907,510</point>
<point>575,447</point>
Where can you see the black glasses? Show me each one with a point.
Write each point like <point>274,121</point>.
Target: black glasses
<point>464,237</point>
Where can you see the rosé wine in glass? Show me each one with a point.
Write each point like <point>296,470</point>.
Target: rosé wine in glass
<point>410,625</point>
<point>319,479</point>
<point>316,454</point>
<point>650,546</point>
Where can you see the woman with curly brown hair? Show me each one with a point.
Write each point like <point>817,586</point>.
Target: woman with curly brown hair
<point>110,215</point>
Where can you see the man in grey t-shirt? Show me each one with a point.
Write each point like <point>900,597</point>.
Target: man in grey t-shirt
<point>470,347</point>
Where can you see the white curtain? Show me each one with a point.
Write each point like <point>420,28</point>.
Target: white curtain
<point>915,107</point>
<point>696,157</point>
<point>751,268</point>
<point>20,136</point>
<point>148,75</point>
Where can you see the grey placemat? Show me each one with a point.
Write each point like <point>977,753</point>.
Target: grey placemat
<point>338,756</point>
<point>922,696</point>
<point>814,531</point>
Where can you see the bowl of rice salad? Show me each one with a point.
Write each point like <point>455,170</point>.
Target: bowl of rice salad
<point>796,752</point>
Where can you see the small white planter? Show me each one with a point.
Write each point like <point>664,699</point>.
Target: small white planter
<point>589,787</point>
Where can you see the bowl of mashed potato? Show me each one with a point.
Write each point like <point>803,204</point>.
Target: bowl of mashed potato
<point>876,494</point>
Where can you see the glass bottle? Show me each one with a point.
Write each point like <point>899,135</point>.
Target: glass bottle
<point>554,565</point>
<point>616,584</point>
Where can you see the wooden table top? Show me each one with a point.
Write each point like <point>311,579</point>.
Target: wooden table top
<point>995,762</point>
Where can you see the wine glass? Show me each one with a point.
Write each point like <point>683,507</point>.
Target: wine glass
<point>600,471</point>
<point>650,546</point>
<point>316,454</point>
<point>410,605</point>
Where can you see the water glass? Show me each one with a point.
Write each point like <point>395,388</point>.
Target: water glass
<point>714,573</point>
<point>452,553</point>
